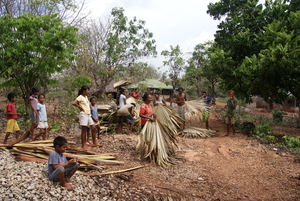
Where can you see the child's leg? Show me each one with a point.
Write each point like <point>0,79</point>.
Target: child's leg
<point>6,137</point>
<point>206,124</point>
<point>228,127</point>
<point>87,134</point>
<point>17,134</point>
<point>83,135</point>
<point>98,130</point>
<point>233,129</point>
<point>44,133</point>
<point>62,180</point>
<point>93,134</point>
<point>72,172</point>
<point>130,128</point>
<point>38,135</point>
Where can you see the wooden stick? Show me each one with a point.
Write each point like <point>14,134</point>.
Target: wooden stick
<point>112,172</point>
<point>32,159</point>
<point>91,165</point>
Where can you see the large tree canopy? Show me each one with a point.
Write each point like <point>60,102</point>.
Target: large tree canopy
<point>259,47</point>
<point>109,48</point>
<point>32,48</point>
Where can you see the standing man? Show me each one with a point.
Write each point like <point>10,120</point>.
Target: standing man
<point>179,100</point>
<point>231,105</point>
<point>205,114</point>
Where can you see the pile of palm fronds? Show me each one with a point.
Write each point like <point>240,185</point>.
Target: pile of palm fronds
<point>156,143</point>
<point>195,132</point>
<point>193,107</point>
<point>168,118</point>
<point>38,151</point>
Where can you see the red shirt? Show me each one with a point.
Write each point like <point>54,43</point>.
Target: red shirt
<point>147,111</point>
<point>11,108</point>
<point>135,95</point>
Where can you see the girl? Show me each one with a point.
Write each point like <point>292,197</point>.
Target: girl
<point>41,119</point>
<point>146,110</point>
<point>95,117</point>
<point>135,94</point>
<point>85,119</point>
<point>158,100</point>
<point>33,113</point>
<point>121,99</point>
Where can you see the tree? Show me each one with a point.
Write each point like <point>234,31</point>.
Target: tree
<point>257,47</point>
<point>109,49</point>
<point>175,62</point>
<point>70,11</point>
<point>32,48</point>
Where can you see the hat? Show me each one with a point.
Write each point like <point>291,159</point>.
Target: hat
<point>231,92</point>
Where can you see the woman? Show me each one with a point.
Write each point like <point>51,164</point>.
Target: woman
<point>146,112</point>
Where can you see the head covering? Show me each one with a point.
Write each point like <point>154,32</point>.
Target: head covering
<point>231,92</point>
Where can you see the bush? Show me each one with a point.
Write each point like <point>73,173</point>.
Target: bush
<point>277,116</point>
<point>291,142</point>
<point>265,132</point>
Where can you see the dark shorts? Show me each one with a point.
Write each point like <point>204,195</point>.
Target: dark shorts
<point>68,169</point>
<point>128,117</point>
<point>32,117</point>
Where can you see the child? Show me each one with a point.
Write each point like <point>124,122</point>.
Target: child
<point>12,116</point>
<point>59,169</point>
<point>33,113</point>
<point>85,119</point>
<point>146,110</point>
<point>231,105</point>
<point>158,100</point>
<point>135,94</point>
<point>42,117</point>
<point>128,112</point>
<point>121,99</point>
<point>95,117</point>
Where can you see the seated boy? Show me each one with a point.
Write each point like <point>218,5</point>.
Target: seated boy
<point>128,112</point>
<point>59,168</point>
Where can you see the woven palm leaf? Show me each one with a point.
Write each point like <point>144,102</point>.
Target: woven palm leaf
<point>192,108</point>
<point>195,132</point>
<point>156,143</point>
<point>168,118</point>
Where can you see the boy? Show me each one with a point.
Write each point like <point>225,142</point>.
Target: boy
<point>58,167</point>
<point>205,114</point>
<point>94,114</point>
<point>41,119</point>
<point>128,112</point>
<point>12,116</point>
<point>179,99</point>
<point>231,105</point>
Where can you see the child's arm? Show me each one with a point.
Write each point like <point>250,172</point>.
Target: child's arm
<point>76,104</point>
<point>132,111</point>
<point>70,162</point>
<point>164,102</point>
<point>10,113</point>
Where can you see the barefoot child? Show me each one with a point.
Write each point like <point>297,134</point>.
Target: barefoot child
<point>95,117</point>
<point>59,168</point>
<point>33,113</point>
<point>146,112</point>
<point>85,119</point>
<point>231,105</point>
<point>12,116</point>
<point>41,117</point>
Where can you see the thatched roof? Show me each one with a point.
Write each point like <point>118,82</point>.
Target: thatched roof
<point>124,82</point>
<point>151,83</point>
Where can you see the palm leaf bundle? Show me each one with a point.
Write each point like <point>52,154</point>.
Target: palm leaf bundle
<point>168,118</point>
<point>193,107</point>
<point>195,132</point>
<point>136,117</point>
<point>156,143</point>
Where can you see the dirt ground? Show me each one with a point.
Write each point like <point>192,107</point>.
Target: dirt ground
<point>217,168</point>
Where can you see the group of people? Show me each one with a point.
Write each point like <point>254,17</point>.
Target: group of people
<point>38,115</point>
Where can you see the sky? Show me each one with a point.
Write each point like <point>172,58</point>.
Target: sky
<point>172,22</point>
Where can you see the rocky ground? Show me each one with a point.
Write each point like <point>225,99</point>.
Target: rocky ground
<point>218,168</point>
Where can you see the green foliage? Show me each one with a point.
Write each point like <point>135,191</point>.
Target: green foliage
<point>175,62</point>
<point>32,49</point>
<point>257,44</point>
<point>73,84</point>
<point>265,132</point>
<point>277,116</point>
<point>292,142</point>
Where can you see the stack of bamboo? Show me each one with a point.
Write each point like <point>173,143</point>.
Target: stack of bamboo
<point>38,151</point>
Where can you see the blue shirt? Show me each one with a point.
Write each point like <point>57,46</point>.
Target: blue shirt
<point>42,111</point>
<point>207,100</point>
<point>94,112</point>
<point>55,158</point>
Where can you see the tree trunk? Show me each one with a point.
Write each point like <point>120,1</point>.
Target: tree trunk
<point>199,92</point>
